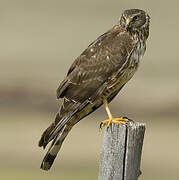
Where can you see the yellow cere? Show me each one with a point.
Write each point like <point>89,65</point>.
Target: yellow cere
<point>127,21</point>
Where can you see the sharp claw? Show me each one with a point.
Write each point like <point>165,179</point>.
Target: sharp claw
<point>102,124</point>
<point>128,119</point>
<point>124,117</point>
<point>122,120</point>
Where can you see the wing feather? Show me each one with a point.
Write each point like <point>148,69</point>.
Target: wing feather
<point>96,65</point>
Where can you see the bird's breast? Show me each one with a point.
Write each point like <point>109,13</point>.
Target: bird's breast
<point>126,73</point>
<point>135,58</point>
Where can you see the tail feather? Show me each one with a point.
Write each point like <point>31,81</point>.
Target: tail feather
<point>54,148</point>
<point>46,136</point>
<point>59,129</point>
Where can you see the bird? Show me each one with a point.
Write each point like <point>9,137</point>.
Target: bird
<point>96,77</point>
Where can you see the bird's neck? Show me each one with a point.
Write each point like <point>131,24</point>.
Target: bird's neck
<point>142,33</point>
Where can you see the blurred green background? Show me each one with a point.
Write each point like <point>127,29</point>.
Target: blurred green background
<point>39,39</point>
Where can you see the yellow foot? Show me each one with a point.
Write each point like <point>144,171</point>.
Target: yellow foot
<point>120,120</point>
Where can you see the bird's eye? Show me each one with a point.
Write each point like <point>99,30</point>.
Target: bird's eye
<point>135,18</point>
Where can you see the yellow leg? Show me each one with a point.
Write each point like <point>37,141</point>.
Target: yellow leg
<point>111,120</point>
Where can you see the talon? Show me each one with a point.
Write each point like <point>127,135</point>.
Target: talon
<point>100,126</point>
<point>125,117</point>
<point>120,120</point>
<point>103,123</point>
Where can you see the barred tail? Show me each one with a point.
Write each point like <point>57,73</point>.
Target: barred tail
<point>59,129</point>
<point>54,148</point>
<point>46,137</point>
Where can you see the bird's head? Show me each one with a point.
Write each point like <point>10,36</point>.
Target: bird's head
<point>134,19</point>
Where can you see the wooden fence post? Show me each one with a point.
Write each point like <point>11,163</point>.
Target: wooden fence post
<point>121,151</point>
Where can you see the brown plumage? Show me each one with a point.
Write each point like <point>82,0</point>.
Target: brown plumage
<point>98,73</point>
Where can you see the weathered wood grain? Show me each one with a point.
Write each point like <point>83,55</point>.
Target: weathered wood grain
<point>121,151</point>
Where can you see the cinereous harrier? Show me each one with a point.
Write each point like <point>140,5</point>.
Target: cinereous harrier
<point>97,76</point>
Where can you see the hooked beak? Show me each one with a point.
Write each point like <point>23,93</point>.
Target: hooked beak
<point>127,24</point>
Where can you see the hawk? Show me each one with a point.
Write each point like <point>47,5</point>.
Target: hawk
<point>96,77</point>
